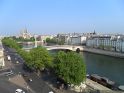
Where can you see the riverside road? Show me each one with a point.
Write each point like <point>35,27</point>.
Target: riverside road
<point>8,86</point>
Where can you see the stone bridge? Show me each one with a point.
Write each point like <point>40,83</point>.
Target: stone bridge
<point>61,47</point>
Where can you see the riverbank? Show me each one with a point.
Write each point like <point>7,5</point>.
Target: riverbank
<point>103,52</point>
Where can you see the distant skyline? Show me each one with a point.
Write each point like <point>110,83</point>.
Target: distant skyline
<point>61,16</point>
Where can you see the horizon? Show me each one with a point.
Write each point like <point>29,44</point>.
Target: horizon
<point>63,16</point>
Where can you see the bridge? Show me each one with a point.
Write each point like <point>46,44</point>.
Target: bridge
<point>60,47</point>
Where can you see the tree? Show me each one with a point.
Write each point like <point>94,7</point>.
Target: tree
<point>10,42</point>
<point>53,40</point>
<point>39,58</point>
<point>48,40</point>
<point>70,67</point>
<point>61,42</point>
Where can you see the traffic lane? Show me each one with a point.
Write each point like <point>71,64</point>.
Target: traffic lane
<point>4,90</point>
<point>37,84</point>
<point>7,49</point>
<point>8,87</point>
<point>16,59</point>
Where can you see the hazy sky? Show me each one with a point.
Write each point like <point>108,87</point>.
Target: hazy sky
<point>61,16</point>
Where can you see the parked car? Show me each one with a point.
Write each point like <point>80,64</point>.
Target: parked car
<point>30,80</point>
<point>19,91</point>
<point>8,58</point>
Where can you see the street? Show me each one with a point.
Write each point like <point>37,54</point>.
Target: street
<point>9,83</point>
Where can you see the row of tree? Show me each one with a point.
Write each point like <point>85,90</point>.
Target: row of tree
<point>21,39</point>
<point>54,41</point>
<point>67,66</point>
<point>10,42</point>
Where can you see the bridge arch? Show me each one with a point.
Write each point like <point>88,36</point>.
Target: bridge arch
<point>62,47</point>
<point>59,48</point>
<point>78,50</point>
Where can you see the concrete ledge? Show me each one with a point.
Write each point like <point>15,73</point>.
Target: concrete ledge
<point>103,52</point>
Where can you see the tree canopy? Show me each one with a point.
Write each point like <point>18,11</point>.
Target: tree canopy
<point>39,58</point>
<point>55,41</point>
<point>10,42</point>
<point>21,39</point>
<point>70,67</point>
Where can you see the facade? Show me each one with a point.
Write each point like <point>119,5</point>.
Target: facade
<point>73,38</point>
<point>24,34</point>
<point>78,40</point>
<point>106,42</point>
<point>42,39</point>
<point>1,55</point>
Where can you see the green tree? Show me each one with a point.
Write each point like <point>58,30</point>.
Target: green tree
<point>61,42</point>
<point>10,42</point>
<point>70,67</point>
<point>48,40</point>
<point>39,58</point>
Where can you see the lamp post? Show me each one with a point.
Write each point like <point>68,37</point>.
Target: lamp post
<point>35,41</point>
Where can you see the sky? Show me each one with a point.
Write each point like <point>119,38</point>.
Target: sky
<point>61,16</point>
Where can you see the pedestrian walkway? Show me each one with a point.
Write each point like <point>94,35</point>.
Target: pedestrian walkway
<point>95,85</point>
<point>7,63</point>
<point>19,81</point>
<point>104,52</point>
<point>99,87</point>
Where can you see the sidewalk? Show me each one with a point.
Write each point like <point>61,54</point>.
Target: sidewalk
<point>8,65</point>
<point>50,80</point>
<point>18,80</point>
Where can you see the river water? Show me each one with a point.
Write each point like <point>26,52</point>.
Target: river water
<point>106,66</point>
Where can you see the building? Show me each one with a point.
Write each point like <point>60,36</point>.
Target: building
<point>24,34</point>
<point>41,39</point>
<point>73,38</point>
<point>78,40</point>
<point>106,42</point>
<point>1,55</point>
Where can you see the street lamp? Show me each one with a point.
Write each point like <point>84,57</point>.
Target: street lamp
<point>35,37</point>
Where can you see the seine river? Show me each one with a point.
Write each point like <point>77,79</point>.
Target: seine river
<point>106,66</point>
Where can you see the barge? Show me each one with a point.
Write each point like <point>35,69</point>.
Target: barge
<point>103,81</point>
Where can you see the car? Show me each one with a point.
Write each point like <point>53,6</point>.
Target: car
<point>8,58</point>
<point>17,62</point>
<point>51,92</point>
<point>19,91</point>
<point>30,80</point>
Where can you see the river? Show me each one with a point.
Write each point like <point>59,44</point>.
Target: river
<point>106,66</point>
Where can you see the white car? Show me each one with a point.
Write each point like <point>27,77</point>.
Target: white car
<point>19,91</point>
<point>51,92</point>
<point>8,58</point>
<point>17,62</point>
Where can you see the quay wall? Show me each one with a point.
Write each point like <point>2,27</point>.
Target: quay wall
<point>103,52</point>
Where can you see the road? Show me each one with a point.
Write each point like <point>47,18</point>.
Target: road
<point>36,86</point>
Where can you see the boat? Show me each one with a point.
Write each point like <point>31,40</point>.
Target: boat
<point>103,81</point>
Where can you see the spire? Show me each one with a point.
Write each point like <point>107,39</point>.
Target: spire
<point>94,32</point>
<point>25,30</point>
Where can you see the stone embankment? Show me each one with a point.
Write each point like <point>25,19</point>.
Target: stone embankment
<point>104,52</point>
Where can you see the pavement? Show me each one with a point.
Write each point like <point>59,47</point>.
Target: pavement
<point>19,81</point>
<point>95,85</point>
